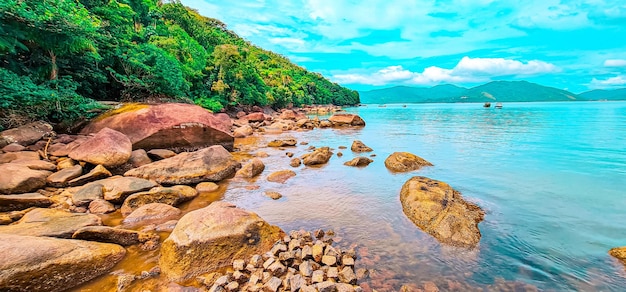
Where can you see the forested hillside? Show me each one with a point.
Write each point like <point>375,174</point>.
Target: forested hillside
<point>58,56</point>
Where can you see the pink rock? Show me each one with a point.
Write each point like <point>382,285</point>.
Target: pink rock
<point>167,126</point>
<point>255,117</point>
<point>108,147</point>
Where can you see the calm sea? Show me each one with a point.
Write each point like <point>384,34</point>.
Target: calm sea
<point>550,176</point>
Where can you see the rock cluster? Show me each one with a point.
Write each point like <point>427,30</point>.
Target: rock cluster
<point>301,261</point>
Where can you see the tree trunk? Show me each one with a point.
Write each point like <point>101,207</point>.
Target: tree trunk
<point>54,71</point>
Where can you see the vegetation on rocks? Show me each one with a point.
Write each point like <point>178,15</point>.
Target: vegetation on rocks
<point>58,57</point>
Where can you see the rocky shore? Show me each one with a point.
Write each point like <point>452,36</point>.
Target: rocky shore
<point>142,162</point>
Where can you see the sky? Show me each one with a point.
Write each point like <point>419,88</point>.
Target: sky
<point>366,44</point>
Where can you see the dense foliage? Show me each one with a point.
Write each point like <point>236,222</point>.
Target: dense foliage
<point>57,56</point>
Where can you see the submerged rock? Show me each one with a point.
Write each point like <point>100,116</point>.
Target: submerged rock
<point>405,161</point>
<point>441,211</point>
<point>49,264</point>
<point>359,161</point>
<point>108,148</point>
<point>210,238</point>
<point>251,169</point>
<point>283,143</point>
<point>281,176</point>
<point>214,164</point>
<point>167,126</point>
<point>619,253</point>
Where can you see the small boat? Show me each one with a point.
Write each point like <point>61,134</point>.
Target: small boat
<point>487,104</point>
<point>498,105</point>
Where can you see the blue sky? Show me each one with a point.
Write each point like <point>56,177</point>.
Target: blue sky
<point>365,44</point>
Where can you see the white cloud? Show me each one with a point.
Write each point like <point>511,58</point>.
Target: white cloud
<point>467,70</point>
<point>615,63</point>
<point>616,81</point>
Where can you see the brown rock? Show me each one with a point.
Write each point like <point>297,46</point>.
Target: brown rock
<point>359,161</point>
<point>88,193</point>
<point>100,206</point>
<point>281,176</point>
<point>108,147</point>
<point>14,147</point>
<point>619,253</point>
<point>35,164</point>
<point>207,187</point>
<point>65,162</point>
<point>441,211</point>
<point>358,146</point>
<point>346,275</point>
<point>405,161</point>
<point>243,131</point>
<point>22,155</point>
<point>283,143</point>
<point>210,238</point>
<point>160,154</point>
<point>343,120</point>
<point>60,149</point>
<point>318,156</point>
<point>164,195</point>
<point>51,223</point>
<point>139,158</point>
<point>167,126</point>
<point>61,178</point>
<point>17,178</point>
<point>255,117</point>
<point>154,213</point>
<point>287,115</point>
<point>23,201</point>
<point>96,173</point>
<point>49,264</point>
<point>108,234</point>
<point>25,135</point>
<point>251,169</point>
<point>117,188</point>
<point>273,195</point>
<point>295,162</point>
<point>209,164</point>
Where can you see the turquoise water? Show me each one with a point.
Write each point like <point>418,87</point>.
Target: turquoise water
<point>550,176</point>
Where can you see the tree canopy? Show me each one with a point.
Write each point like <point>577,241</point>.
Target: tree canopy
<point>58,56</point>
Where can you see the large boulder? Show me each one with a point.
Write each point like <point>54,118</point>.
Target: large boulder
<point>214,163</point>
<point>164,195</point>
<point>25,135</point>
<point>318,156</point>
<point>50,264</point>
<point>18,178</point>
<point>23,201</point>
<point>405,161</point>
<point>167,126</point>
<point>345,120</point>
<point>441,211</point>
<point>51,223</point>
<point>211,238</point>
<point>108,147</point>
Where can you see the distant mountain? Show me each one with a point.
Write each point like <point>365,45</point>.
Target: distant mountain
<point>600,94</point>
<point>496,91</point>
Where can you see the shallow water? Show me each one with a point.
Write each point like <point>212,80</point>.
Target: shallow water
<point>550,177</point>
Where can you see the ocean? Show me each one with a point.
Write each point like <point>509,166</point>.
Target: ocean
<point>551,178</point>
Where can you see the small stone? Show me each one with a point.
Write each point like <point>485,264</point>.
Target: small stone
<point>272,285</point>
<point>286,256</point>
<point>318,276</point>
<point>294,244</point>
<point>362,274</point>
<point>14,147</point>
<point>289,154</point>
<point>63,176</point>
<point>255,260</point>
<point>317,251</point>
<point>268,262</point>
<point>306,269</point>
<point>207,187</point>
<point>347,276</point>
<point>273,195</point>
<point>160,154</point>
<point>97,172</point>
<point>139,158</point>
<point>239,276</point>
<point>329,260</point>
<point>333,272</point>
<point>296,282</point>
<point>277,248</point>
<point>318,233</point>
<point>347,260</point>
<point>295,162</point>
<point>326,286</point>
<point>343,287</point>
<point>66,162</point>
<point>430,286</point>
<point>306,252</point>
<point>238,265</point>
<point>308,289</point>
<point>232,286</point>
<point>221,281</point>
<point>277,269</point>
<point>100,206</point>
